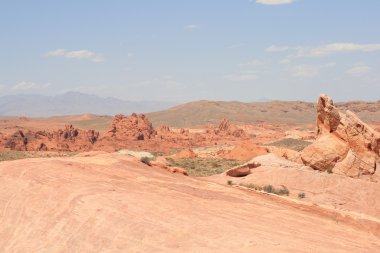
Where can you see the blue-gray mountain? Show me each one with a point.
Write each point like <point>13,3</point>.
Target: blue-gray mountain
<point>72,103</point>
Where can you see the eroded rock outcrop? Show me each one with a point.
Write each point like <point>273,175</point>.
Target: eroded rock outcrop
<point>227,128</point>
<point>345,144</point>
<point>67,139</point>
<point>134,127</point>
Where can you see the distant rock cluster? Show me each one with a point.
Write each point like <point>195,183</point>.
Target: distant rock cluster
<point>135,131</point>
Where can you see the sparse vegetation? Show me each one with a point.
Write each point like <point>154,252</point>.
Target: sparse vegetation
<point>329,169</point>
<point>252,186</point>
<point>9,155</point>
<point>301,195</point>
<point>267,188</point>
<point>146,160</point>
<point>297,145</point>
<point>202,167</point>
<point>278,191</point>
<point>229,182</point>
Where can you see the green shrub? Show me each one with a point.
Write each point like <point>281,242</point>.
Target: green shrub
<point>282,191</point>
<point>301,195</point>
<point>146,160</point>
<point>229,182</point>
<point>268,188</point>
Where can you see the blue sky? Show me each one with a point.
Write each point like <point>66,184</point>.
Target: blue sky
<point>189,50</point>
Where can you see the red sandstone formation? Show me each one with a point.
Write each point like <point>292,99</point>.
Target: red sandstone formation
<point>134,127</point>
<point>137,132</point>
<point>69,139</point>
<point>226,129</point>
<point>133,132</point>
<point>229,129</point>
<point>246,150</point>
<point>345,144</point>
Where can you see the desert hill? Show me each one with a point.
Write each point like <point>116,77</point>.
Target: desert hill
<point>57,111</point>
<point>114,203</point>
<point>274,112</point>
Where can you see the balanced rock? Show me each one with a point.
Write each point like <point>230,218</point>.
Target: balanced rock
<point>345,144</point>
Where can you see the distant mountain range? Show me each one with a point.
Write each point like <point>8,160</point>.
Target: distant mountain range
<point>72,103</point>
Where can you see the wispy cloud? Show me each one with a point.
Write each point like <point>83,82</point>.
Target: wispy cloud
<point>191,27</point>
<point>30,86</point>
<point>79,54</point>
<point>275,48</point>
<point>309,71</point>
<point>333,48</point>
<point>274,2</point>
<point>241,77</point>
<point>359,69</point>
<point>326,49</point>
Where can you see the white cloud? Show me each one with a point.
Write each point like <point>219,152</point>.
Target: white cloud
<point>274,2</point>
<point>241,77</point>
<point>326,49</point>
<point>359,69</point>
<point>275,48</point>
<point>333,48</point>
<point>79,54</point>
<point>308,71</point>
<point>191,27</point>
<point>30,85</point>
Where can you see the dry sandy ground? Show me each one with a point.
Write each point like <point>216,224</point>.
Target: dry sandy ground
<point>113,203</point>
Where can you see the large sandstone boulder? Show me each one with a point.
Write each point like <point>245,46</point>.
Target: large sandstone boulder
<point>325,152</point>
<point>242,170</point>
<point>345,144</point>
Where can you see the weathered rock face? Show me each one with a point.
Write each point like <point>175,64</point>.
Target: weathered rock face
<point>68,139</point>
<point>134,127</point>
<point>345,144</point>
